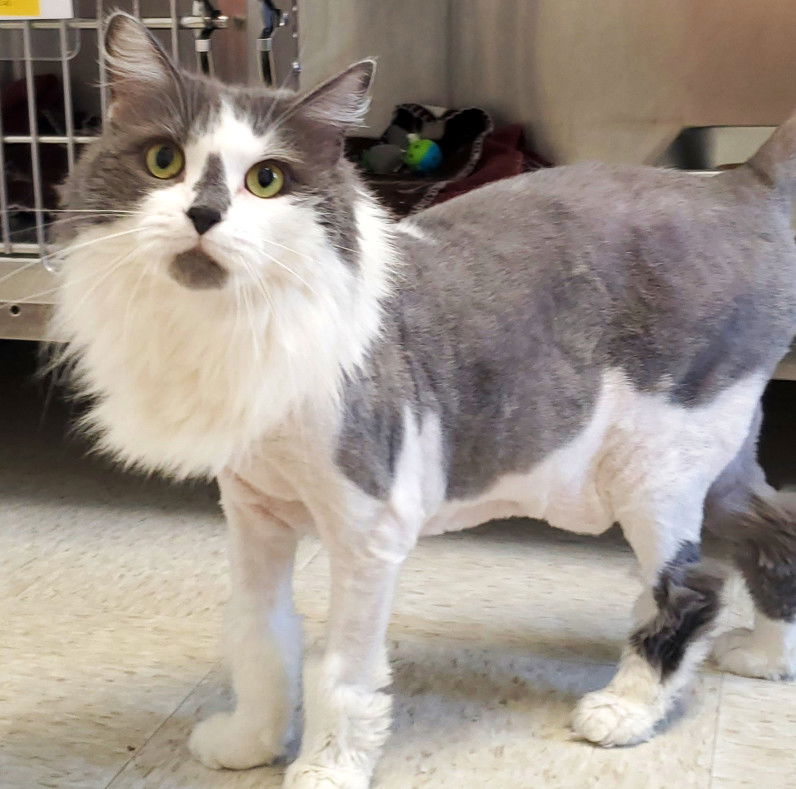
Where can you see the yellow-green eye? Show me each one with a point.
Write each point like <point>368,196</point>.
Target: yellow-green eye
<point>164,160</point>
<point>265,179</point>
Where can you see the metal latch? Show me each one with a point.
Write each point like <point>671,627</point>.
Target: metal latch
<point>273,18</point>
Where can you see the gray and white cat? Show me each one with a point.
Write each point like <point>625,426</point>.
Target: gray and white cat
<point>586,345</point>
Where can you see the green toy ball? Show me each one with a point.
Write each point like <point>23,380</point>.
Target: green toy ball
<point>421,155</point>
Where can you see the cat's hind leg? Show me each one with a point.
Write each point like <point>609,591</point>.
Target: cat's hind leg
<point>674,616</point>
<point>263,640</point>
<point>760,525</point>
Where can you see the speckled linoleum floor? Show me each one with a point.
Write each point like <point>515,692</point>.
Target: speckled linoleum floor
<point>110,609</point>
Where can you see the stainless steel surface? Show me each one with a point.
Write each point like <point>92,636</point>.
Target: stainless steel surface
<point>787,367</point>
<point>25,322</point>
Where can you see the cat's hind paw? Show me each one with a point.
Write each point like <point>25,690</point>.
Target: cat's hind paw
<point>743,651</point>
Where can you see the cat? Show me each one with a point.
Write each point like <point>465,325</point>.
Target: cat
<point>586,344</point>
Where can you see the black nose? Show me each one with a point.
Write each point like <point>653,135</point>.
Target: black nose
<point>203,217</point>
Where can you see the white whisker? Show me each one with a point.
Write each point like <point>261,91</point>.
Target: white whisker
<point>20,269</point>
<point>68,250</point>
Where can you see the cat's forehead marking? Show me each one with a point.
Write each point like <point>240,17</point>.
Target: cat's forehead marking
<point>233,139</point>
<point>212,189</point>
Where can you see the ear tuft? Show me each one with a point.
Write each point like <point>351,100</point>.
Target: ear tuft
<point>134,57</point>
<point>343,100</point>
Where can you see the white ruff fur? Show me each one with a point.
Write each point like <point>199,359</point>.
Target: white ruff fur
<point>186,380</point>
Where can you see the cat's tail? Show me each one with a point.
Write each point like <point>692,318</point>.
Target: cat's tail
<point>775,162</point>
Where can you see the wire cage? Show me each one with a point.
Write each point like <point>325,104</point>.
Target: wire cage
<point>53,97</point>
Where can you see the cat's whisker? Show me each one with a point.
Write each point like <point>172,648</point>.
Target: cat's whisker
<point>294,273</point>
<point>31,209</point>
<point>61,221</point>
<point>254,275</point>
<point>145,270</point>
<point>19,270</point>
<point>112,269</point>
<point>304,254</point>
<point>32,297</point>
<point>68,250</point>
<point>50,291</point>
<point>252,328</point>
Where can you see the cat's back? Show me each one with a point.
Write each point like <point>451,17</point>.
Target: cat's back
<point>659,263</point>
<point>603,201</point>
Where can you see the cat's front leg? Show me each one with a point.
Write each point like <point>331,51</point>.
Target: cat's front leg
<point>347,713</point>
<point>264,638</point>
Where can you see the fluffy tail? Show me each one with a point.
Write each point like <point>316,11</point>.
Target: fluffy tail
<point>775,162</point>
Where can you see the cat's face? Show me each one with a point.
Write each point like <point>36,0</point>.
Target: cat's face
<point>215,187</point>
<point>223,268</point>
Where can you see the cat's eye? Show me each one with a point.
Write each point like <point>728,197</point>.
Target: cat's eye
<point>265,179</point>
<point>164,160</point>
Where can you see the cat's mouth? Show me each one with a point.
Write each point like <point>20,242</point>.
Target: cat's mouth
<point>195,269</point>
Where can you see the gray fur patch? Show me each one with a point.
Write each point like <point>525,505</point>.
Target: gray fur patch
<point>198,271</point>
<point>688,600</point>
<point>211,189</point>
<point>527,290</point>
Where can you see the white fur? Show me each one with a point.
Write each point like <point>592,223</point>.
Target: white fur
<point>186,381</point>
<point>768,651</point>
<point>347,726</point>
<point>263,639</point>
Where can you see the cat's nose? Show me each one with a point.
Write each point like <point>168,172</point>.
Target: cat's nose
<point>203,217</point>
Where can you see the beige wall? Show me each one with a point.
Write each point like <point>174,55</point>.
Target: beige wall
<point>614,80</point>
<point>573,71</point>
<point>409,38</point>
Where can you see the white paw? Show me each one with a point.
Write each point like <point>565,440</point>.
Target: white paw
<point>224,740</point>
<point>605,718</point>
<point>301,775</point>
<point>740,652</point>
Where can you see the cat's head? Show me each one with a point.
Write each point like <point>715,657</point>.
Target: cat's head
<point>224,266</point>
<point>215,181</point>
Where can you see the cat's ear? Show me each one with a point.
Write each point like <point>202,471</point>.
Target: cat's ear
<point>335,106</point>
<point>343,100</point>
<point>136,62</point>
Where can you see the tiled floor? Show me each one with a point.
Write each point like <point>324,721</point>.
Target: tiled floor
<point>111,607</point>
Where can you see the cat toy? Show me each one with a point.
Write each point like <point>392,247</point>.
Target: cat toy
<point>422,155</point>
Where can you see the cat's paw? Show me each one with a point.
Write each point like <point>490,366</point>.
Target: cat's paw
<point>742,652</point>
<point>302,775</point>
<point>607,719</point>
<point>226,740</point>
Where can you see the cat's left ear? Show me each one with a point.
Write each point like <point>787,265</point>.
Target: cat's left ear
<point>136,62</point>
<point>338,104</point>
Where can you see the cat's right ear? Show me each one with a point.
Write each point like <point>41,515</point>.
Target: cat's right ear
<point>136,62</point>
